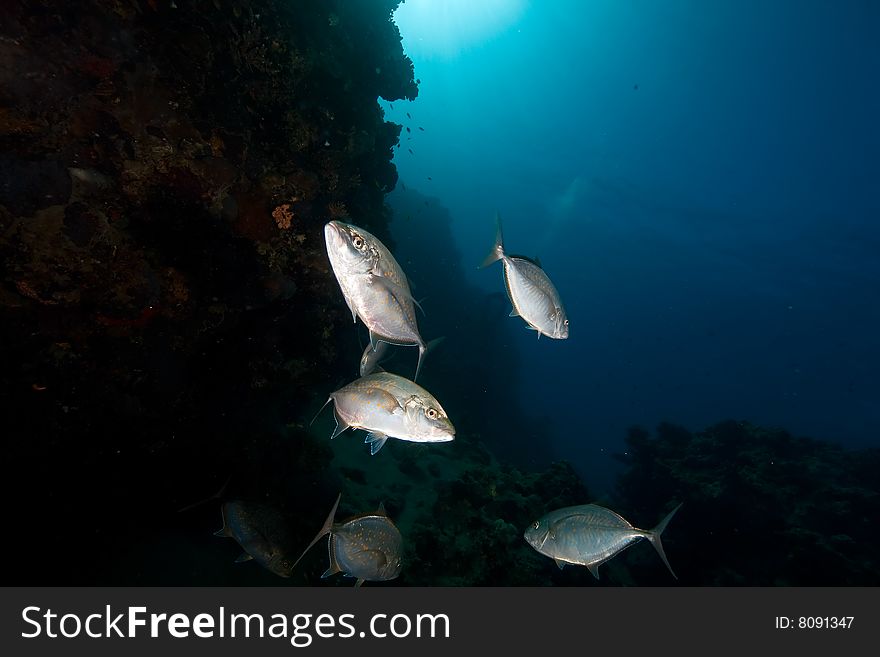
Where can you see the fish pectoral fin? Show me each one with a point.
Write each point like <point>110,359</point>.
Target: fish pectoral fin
<point>399,291</point>
<point>341,425</point>
<point>359,582</point>
<point>560,563</point>
<point>244,556</point>
<point>332,570</point>
<point>594,568</point>
<point>224,531</point>
<point>376,440</point>
<point>513,313</point>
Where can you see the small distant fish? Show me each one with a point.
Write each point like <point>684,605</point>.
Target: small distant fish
<point>589,535</point>
<point>418,81</point>
<point>430,178</point>
<point>532,294</point>
<point>389,406</point>
<point>410,151</point>
<point>408,116</point>
<point>262,533</point>
<point>368,547</point>
<point>403,186</point>
<point>391,105</point>
<point>635,87</point>
<point>90,177</point>
<point>421,128</point>
<point>408,130</point>
<point>374,286</point>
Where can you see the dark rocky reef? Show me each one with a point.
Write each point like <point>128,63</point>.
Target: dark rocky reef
<point>166,304</point>
<point>761,507</point>
<point>473,534</point>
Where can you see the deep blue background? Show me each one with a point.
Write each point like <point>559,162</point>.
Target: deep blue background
<point>713,232</point>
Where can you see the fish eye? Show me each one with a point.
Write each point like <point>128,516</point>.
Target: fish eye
<point>357,241</point>
<point>431,413</point>
<point>537,524</point>
<point>566,322</point>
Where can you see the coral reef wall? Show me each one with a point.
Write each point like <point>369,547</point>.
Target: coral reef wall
<point>165,299</point>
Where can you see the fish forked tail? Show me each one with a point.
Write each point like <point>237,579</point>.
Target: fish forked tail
<point>424,350</point>
<point>653,535</point>
<point>497,251</point>
<point>327,527</point>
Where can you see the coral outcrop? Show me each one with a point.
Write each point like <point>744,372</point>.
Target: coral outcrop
<point>165,300</point>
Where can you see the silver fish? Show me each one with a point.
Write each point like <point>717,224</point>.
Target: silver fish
<point>374,286</point>
<point>367,547</point>
<point>261,532</point>
<point>389,406</point>
<point>589,535</point>
<point>533,296</point>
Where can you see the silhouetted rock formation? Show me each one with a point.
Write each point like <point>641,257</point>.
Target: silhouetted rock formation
<point>165,298</point>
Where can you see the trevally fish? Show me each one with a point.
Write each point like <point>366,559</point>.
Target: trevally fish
<point>374,286</point>
<point>589,535</point>
<point>367,547</point>
<point>262,533</point>
<point>533,296</point>
<point>390,406</point>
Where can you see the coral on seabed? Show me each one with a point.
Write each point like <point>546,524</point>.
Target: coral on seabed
<point>761,507</point>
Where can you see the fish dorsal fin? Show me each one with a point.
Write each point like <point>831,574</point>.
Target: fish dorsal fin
<point>244,556</point>
<point>531,261</point>
<point>381,510</point>
<point>560,563</point>
<point>376,440</point>
<point>325,529</point>
<point>594,568</point>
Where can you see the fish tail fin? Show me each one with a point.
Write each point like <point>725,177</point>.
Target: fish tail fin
<point>497,251</point>
<point>423,349</point>
<point>654,536</point>
<point>325,529</point>
<point>433,344</point>
<point>215,496</point>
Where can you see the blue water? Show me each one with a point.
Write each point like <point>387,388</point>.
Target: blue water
<point>700,180</point>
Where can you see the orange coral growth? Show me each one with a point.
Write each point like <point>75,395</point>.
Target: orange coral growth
<point>283,216</point>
